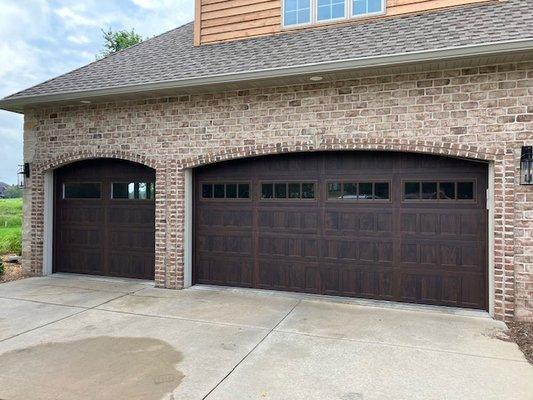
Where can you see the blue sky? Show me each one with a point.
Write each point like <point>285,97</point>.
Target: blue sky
<point>42,39</point>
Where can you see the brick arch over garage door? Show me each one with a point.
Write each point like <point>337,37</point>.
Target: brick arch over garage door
<point>383,225</point>
<point>34,232</point>
<point>502,224</point>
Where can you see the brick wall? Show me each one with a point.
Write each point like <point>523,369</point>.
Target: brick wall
<point>483,113</point>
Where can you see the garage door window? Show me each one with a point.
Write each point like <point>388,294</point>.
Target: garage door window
<point>358,191</point>
<point>133,190</point>
<point>225,191</point>
<point>438,191</point>
<point>84,190</point>
<point>288,190</point>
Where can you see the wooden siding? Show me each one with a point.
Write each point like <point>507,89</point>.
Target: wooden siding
<point>222,20</point>
<point>236,19</point>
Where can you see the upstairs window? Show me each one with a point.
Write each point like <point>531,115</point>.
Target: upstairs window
<point>305,12</point>
<point>330,9</point>
<point>367,7</point>
<point>296,12</point>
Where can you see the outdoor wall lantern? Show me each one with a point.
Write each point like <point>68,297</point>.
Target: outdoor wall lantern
<point>526,166</point>
<point>24,172</point>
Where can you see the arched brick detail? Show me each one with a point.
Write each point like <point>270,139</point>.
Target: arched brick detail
<point>501,159</point>
<point>416,146</point>
<point>34,262</point>
<point>68,158</point>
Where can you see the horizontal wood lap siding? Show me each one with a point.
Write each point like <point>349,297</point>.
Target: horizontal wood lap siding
<point>235,19</point>
<point>398,7</point>
<point>222,20</point>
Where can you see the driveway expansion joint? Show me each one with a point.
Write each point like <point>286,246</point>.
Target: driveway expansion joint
<point>404,346</point>
<point>83,309</point>
<point>171,317</point>
<point>252,350</point>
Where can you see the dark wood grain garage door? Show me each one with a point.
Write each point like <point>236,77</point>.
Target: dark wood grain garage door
<point>379,225</point>
<point>104,219</point>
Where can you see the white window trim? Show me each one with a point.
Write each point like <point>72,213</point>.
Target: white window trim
<point>314,15</point>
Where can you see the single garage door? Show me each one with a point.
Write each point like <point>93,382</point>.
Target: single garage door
<point>104,219</point>
<point>381,225</point>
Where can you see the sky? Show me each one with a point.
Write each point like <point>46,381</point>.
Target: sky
<point>43,39</point>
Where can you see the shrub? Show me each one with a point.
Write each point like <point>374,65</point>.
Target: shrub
<point>2,269</point>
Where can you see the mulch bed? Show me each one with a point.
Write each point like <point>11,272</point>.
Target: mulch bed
<point>13,271</point>
<point>522,334</point>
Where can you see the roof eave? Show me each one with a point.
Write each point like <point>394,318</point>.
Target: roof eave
<point>17,104</point>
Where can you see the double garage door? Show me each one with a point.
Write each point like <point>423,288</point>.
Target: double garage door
<point>381,225</point>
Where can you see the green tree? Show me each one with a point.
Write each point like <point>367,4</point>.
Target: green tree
<point>13,192</point>
<point>119,40</point>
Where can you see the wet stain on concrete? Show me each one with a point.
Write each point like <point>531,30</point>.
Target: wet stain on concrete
<point>100,367</point>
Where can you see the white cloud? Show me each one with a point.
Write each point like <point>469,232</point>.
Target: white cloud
<point>144,3</point>
<point>73,19</point>
<point>78,39</point>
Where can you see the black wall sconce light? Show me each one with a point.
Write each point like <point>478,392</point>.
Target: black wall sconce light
<point>23,174</point>
<point>526,166</point>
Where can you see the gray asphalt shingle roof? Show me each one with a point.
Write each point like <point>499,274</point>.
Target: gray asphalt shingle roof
<point>172,56</point>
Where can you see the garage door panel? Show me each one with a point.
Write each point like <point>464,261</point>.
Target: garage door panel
<point>77,236</point>
<point>130,264</point>
<point>358,252</point>
<point>79,214</point>
<point>357,282</point>
<point>131,240</point>
<point>426,249</point>
<point>229,243</point>
<point>232,271</point>
<point>377,222</point>
<point>295,220</point>
<point>224,217</point>
<point>288,247</point>
<point>455,290</point>
<point>287,275</point>
<point>81,261</point>
<point>443,224</point>
<point>458,256</point>
<point>126,215</point>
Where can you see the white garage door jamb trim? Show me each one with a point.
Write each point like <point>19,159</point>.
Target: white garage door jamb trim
<point>48,234</point>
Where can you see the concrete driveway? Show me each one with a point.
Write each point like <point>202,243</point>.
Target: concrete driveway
<point>78,337</point>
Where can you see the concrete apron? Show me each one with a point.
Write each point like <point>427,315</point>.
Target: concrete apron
<point>71,336</point>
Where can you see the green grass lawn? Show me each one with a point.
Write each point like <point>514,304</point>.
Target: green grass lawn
<point>10,226</point>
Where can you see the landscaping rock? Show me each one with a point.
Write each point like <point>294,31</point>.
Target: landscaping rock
<point>13,259</point>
